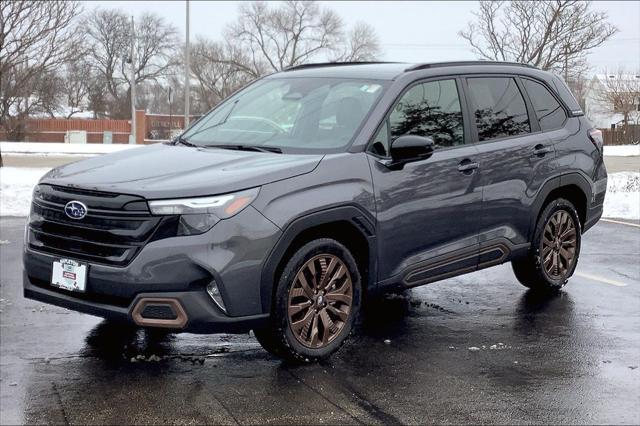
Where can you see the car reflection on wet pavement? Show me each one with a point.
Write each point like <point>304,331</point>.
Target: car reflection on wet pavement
<point>472,349</point>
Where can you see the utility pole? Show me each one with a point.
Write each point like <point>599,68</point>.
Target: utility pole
<point>566,63</point>
<point>186,74</point>
<point>133,83</point>
<point>170,114</point>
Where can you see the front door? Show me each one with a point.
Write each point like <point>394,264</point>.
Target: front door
<point>427,212</point>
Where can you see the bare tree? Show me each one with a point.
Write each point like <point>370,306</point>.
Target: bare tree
<point>97,96</point>
<point>219,69</point>
<point>296,32</point>
<point>619,93</point>
<point>162,97</point>
<point>75,86</point>
<point>109,37</point>
<point>108,34</point>
<point>549,34</point>
<point>157,48</point>
<point>579,85</point>
<point>36,39</point>
<point>362,45</point>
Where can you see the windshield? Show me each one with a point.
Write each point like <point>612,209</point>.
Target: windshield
<point>293,114</point>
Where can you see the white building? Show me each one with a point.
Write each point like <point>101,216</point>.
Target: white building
<point>602,114</point>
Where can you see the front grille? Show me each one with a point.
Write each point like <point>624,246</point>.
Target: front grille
<point>114,230</point>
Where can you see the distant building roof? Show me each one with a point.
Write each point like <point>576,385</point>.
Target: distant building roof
<point>624,77</point>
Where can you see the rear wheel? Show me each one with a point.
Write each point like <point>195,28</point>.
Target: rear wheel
<point>553,256</point>
<point>316,303</point>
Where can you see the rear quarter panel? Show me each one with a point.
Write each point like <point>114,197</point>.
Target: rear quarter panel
<point>576,154</point>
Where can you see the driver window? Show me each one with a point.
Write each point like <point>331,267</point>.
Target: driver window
<point>429,109</point>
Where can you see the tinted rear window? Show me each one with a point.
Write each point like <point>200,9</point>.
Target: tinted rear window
<point>498,107</point>
<point>548,110</point>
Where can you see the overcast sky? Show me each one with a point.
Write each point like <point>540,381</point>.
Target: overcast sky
<point>408,31</point>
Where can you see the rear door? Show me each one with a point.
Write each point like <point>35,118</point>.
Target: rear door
<point>515,157</point>
<point>547,110</point>
<point>427,212</point>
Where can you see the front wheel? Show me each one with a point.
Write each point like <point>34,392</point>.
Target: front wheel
<point>554,252</point>
<point>316,303</point>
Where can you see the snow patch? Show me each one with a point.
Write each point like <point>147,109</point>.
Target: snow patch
<point>621,150</point>
<point>623,196</point>
<point>61,148</point>
<point>16,186</point>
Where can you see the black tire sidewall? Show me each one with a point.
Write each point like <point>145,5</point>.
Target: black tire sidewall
<point>295,349</point>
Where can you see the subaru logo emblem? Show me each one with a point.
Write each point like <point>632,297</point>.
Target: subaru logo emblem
<point>75,210</point>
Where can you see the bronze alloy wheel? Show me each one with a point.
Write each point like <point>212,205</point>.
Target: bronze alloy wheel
<point>559,244</point>
<point>320,300</point>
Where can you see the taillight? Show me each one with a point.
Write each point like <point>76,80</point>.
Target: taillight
<point>595,136</point>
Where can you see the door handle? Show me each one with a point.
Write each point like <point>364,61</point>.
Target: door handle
<point>540,150</point>
<point>467,166</point>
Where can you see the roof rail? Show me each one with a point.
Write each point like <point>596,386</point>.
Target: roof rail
<point>333,64</point>
<point>465,63</point>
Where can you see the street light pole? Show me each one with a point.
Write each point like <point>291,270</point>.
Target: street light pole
<point>186,74</point>
<point>133,84</point>
<point>170,114</point>
<point>566,63</point>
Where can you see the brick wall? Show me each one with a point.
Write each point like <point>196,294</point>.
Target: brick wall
<point>54,130</point>
<point>140,127</point>
<point>159,126</point>
<point>149,127</point>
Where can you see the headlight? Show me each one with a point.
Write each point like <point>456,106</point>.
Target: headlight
<point>198,215</point>
<point>223,206</point>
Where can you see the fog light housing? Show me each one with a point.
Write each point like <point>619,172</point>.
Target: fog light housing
<point>194,224</point>
<point>214,292</point>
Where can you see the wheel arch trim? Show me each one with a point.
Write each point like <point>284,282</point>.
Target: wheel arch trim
<point>359,219</point>
<point>556,183</point>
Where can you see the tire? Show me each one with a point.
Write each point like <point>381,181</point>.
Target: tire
<point>552,238</point>
<point>310,322</point>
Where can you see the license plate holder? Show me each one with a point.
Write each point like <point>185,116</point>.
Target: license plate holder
<point>68,274</point>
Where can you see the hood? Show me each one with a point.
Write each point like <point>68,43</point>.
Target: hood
<point>171,171</point>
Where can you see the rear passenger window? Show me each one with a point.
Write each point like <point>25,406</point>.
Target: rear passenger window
<point>498,107</point>
<point>550,113</point>
<point>430,109</point>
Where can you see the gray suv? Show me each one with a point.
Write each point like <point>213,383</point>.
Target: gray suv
<point>291,202</point>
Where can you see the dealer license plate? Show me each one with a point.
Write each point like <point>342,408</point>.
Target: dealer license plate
<point>68,274</point>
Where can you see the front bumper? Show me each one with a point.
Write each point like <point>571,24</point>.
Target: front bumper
<point>202,316</point>
<point>232,253</point>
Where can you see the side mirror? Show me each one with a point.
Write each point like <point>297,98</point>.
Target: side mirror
<point>409,148</point>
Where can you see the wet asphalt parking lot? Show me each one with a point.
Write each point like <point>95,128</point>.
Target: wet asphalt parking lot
<point>473,349</point>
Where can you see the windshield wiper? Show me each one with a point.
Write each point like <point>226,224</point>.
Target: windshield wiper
<point>257,148</point>
<point>182,141</point>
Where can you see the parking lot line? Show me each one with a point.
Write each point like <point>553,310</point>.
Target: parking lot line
<point>601,279</point>
<point>621,223</point>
